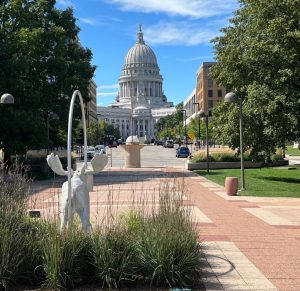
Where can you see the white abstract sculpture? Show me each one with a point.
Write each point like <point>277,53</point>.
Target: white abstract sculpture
<point>80,200</point>
<point>75,192</point>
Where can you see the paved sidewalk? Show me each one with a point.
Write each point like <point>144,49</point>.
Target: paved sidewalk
<point>251,243</point>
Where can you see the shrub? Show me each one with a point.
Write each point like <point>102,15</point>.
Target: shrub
<point>113,257</point>
<point>13,197</point>
<point>63,255</point>
<point>220,157</point>
<point>167,257</point>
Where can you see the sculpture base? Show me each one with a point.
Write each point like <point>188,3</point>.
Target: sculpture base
<point>132,155</point>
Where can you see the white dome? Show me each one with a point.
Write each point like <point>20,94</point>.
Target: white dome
<point>140,108</point>
<point>132,140</point>
<point>140,53</point>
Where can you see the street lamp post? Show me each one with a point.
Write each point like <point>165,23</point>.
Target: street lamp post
<point>202,114</point>
<point>6,100</point>
<point>184,116</point>
<point>198,104</point>
<point>231,97</point>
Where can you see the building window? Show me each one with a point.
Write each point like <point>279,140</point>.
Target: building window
<point>210,93</point>
<point>209,83</point>
<point>219,93</point>
<point>210,103</point>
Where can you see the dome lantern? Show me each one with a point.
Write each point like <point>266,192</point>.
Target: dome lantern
<point>140,35</point>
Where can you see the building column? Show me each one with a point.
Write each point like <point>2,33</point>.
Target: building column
<point>138,128</point>
<point>144,127</point>
<point>131,88</point>
<point>151,86</point>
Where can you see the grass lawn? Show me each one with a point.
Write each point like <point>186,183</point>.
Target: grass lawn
<point>291,151</point>
<point>268,182</point>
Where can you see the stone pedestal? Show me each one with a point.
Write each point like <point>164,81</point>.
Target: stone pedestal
<point>132,155</point>
<point>132,150</point>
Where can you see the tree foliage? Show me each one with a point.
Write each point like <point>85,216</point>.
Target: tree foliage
<point>103,134</point>
<point>258,56</point>
<point>171,125</point>
<point>42,63</point>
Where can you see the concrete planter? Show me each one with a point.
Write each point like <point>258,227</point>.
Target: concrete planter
<point>231,185</point>
<point>232,165</point>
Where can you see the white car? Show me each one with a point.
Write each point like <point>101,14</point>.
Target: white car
<point>90,152</point>
<point>99,148</point>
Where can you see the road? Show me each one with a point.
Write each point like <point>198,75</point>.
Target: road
<point>293,160</point>
<point>151,156</point>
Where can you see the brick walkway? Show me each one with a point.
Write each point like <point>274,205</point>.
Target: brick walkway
<point>251,243</point>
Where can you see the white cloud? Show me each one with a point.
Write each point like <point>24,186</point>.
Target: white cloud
<point>113,86</point>
<point>65,3</point>
<point>179,33</point>
<point>90,21</point>
<point>196,59</point>
<point>107,94</point>
<point>190,8</point>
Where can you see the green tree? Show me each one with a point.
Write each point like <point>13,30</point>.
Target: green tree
<point>107,132</point>
<point>42,63</point>
<point>171,125</point>
<point>258,57</point>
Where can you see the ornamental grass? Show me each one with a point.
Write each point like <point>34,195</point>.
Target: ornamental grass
<point>144,247</point>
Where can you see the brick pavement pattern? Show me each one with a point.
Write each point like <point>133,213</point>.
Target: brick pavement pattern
<point>251,243</point>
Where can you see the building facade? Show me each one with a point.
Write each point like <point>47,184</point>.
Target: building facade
<point>140,102</point>
<point>189,106</point>
<point>208,92</point>
<point>91,106</point>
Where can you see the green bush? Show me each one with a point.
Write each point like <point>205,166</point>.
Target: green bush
<point>62,254</point>
<point>167,257</point>
<point>114,258</point>
<point>13,196</point>
<point>220,157</point>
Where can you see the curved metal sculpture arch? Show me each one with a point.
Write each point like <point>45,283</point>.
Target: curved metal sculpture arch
<point>75,192</point>
<point>69,150</point>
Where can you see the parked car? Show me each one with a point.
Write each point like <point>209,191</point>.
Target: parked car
<point>113,144</point>
<point>120,141</point>
<point>182,152</point>
<point>169,144</point>
<point>99,148</point>
<point>90,152</point>
<point>158,142</point>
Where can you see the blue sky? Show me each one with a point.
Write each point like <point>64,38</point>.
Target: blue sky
<point>178,31</point>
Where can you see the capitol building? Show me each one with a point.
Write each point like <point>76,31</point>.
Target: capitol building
<point>140,102</point>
